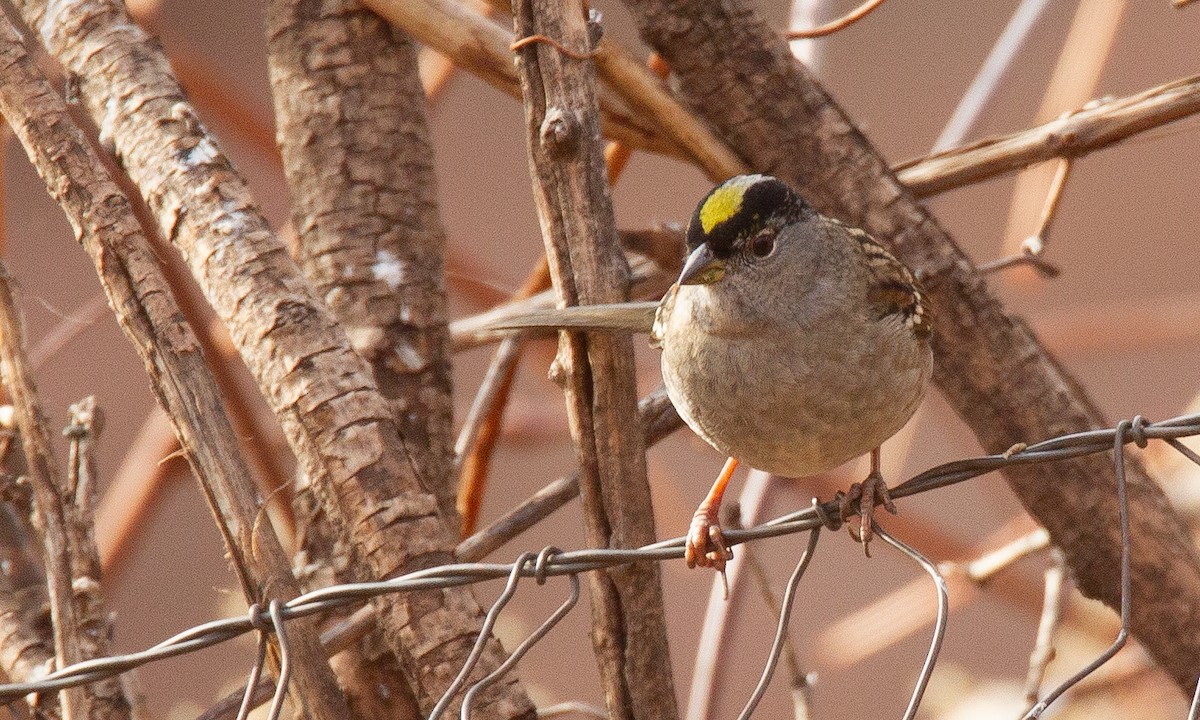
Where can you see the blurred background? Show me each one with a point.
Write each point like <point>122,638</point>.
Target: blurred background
<point>1124,317</point>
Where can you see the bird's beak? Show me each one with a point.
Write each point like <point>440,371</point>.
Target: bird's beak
<point>702,267</point>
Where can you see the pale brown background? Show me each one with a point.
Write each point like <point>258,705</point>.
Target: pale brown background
<point>1126,236</point>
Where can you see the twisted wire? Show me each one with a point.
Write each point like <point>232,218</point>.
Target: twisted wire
<point>551,562</point>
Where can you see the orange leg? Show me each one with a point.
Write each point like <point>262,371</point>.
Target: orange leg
<point>705,543</point>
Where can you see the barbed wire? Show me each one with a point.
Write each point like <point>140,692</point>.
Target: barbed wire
<point>552,562</point>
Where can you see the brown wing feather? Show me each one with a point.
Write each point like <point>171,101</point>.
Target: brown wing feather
<point>894,291</point>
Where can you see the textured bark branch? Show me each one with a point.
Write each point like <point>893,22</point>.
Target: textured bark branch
<point>322,391</point>
<point>356,151</point>
<point>73,616</point>
<point>1096,127</point>
<point>351,117</point>
<point>988,363</point>
<point>587,266</point>
<point>137,291</point>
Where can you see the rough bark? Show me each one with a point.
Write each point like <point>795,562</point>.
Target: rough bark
<point>597,369</point>
<point>988,363</point>
<point>336,421</point>
<point>137,291</point>
<point>350,114</point>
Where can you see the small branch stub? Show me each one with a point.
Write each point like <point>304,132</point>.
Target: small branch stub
<point>560,133</point>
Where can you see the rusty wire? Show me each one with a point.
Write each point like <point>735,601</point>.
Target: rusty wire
<point>551,562</point>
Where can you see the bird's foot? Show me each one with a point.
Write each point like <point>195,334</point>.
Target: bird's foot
<point>861,500</point>
<point>705,543</point>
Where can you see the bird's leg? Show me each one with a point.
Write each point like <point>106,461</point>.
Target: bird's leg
<point>861,500</point>
<point>705,544</point>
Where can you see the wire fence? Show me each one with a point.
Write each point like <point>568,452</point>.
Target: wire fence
<point>552,562</point>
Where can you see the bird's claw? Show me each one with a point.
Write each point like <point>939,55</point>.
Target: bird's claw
<point>861,500</point>
<point>705,545</point>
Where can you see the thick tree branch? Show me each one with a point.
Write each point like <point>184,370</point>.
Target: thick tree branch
<point>988,363</point>
<point>356,151</point>
<point>566,161</point>
<point>137,291</point>
<point>335,419</point>
<point>350,111</point>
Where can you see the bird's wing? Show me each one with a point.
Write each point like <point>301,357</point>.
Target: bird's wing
<point>893,289</point>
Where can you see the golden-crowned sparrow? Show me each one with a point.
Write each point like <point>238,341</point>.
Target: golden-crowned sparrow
<point>791,342</point>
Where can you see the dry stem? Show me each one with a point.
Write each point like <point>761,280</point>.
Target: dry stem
<point>596,369</point>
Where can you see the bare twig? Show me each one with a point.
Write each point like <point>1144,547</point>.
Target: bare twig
<point>841,23</point>
<point>726,587</point>
<point>982,568</point>
<point>151,459</point>
<point>1073,81</point>
<point>44,478</point>
<point>1073,135</point>
<point>800,681</point>
<point>596,369</point>
<point>1003,52</point>
<point>481,429</point>
<point>648,97</point>
<point>1043,647</point>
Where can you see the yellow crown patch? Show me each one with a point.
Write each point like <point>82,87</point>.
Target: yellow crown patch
<point>725,202</point>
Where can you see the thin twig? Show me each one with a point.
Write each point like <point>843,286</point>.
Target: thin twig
<point>1076,134</point>
<point>481,429</point>
<point>642,88</point>
<point>153,457</point>
<point>841,23</point>
<point>977,95</point>
<point>1074,79</point>
<point>47,485</point>
<point>984,567</point>
<point>800,684</point>
<point>707,666</point>
<point>1043,647</point>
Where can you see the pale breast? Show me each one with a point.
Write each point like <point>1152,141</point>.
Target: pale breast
<point>793,405</point>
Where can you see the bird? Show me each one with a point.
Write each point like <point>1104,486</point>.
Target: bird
<point>791,342</point>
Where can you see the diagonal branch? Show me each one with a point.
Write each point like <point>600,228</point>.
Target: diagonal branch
<point>988,363</point>
<point>1096,127</point>
<point>138,293</point>
<point>335,419</point>
<point>596,370</point>
<point>356,152</point>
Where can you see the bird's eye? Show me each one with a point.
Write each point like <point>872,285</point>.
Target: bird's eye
<point>763,245</point>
